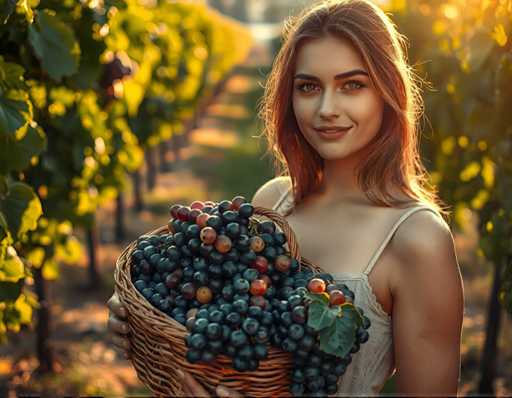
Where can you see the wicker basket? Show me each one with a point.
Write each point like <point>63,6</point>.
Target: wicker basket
<point>158,341</point>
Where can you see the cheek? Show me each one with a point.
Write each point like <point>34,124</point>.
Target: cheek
<point>368,112</point>
<point>303,109</point>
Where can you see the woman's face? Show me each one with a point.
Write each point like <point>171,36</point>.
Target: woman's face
<point>335,104</point>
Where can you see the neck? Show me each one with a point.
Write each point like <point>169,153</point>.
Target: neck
<point>340,180</point>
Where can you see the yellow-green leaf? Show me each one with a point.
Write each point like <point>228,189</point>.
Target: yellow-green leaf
<point>12,268</point>
<point>499,35</point>
<point>22,209</point>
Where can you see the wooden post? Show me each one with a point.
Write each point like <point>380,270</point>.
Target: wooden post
<point>490,352</point>
<point>45,354</point>
<point>120,230</point>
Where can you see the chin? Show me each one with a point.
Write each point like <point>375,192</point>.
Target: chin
<point>332,153</point>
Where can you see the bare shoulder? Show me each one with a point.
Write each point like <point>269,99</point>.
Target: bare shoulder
<point>423,246</point>
<point>428,307</point>
<point>270,192</point>
<point>423,231</point>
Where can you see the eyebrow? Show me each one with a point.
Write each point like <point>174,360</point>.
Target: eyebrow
<point>339,76</point>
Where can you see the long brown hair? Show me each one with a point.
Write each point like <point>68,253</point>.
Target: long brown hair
<point>393,158</point>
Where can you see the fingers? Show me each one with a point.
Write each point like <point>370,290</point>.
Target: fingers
<point>117,326</point>
<point>115,305</point>
<point>121,342</point>
<point>225,392</point>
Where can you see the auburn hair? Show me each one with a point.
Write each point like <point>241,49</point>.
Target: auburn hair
<point>393,157</point>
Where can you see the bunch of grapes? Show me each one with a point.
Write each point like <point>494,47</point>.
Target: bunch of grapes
<point>229,279</point>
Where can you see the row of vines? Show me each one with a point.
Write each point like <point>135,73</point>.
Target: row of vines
<point>464,48</point>
<point>86,89</point>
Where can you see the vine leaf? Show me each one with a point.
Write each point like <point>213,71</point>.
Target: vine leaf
<point>54,44</point>
<point>321,316</point>
<point>15,112</point>
<point>22,208</point>
<point>16,154</point>
<point>339,338</point>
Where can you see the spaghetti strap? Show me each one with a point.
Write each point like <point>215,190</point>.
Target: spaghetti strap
<point>281,199</point>
<point>383,245</point>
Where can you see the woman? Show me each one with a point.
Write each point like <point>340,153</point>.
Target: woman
<point>341,108</point>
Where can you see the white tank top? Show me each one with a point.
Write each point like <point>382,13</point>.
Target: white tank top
<point>374,363</point>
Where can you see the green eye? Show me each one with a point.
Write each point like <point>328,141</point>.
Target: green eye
<point>354,85</point>
<point>306,87</point>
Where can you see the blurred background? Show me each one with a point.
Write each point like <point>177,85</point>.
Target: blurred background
<point>112,110</point>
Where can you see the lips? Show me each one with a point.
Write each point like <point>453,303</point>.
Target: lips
<point>333,133</point>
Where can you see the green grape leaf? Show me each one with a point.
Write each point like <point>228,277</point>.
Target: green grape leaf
<point>22,209</point>
<point>10,291</point>
<point>15,112</point>
<point>16,154</point>
<point>90,69</point>
<point>339,338</point>
<point>11,75</point>
<point>12,268</point>
<point>350,312</point>
<point>321,316</point>
<point>55,45</point>
<point>320,298</point>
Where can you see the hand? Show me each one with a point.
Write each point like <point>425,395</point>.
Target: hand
<point>192,388</point>
<point>117,326</point>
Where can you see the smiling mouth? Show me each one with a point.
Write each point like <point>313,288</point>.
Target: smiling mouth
<point>333,130</point>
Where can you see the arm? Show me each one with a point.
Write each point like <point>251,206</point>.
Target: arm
<point>428,305</point>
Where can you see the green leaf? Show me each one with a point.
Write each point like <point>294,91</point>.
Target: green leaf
<point>320,298</point>
<point>11,75</point>
<point>16,154</point>
<point>55,45</point>
<point>22,209</point>
<point>12,268</point>
<point>339,338</point>
<point>321,316</point>
<point>91,49</point>
<point>15,112</point>
<point>10,291</point>
<point>350,312</point>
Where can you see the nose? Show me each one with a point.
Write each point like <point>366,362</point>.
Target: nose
<point>328,108</point>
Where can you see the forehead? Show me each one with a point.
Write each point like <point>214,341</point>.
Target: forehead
<point>328,56</point>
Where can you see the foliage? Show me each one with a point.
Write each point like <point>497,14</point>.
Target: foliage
<point>337,324</point>
<point>465,49</point>
<point>84,87</point>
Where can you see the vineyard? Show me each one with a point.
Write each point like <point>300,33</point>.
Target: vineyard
<point>97,96</point>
